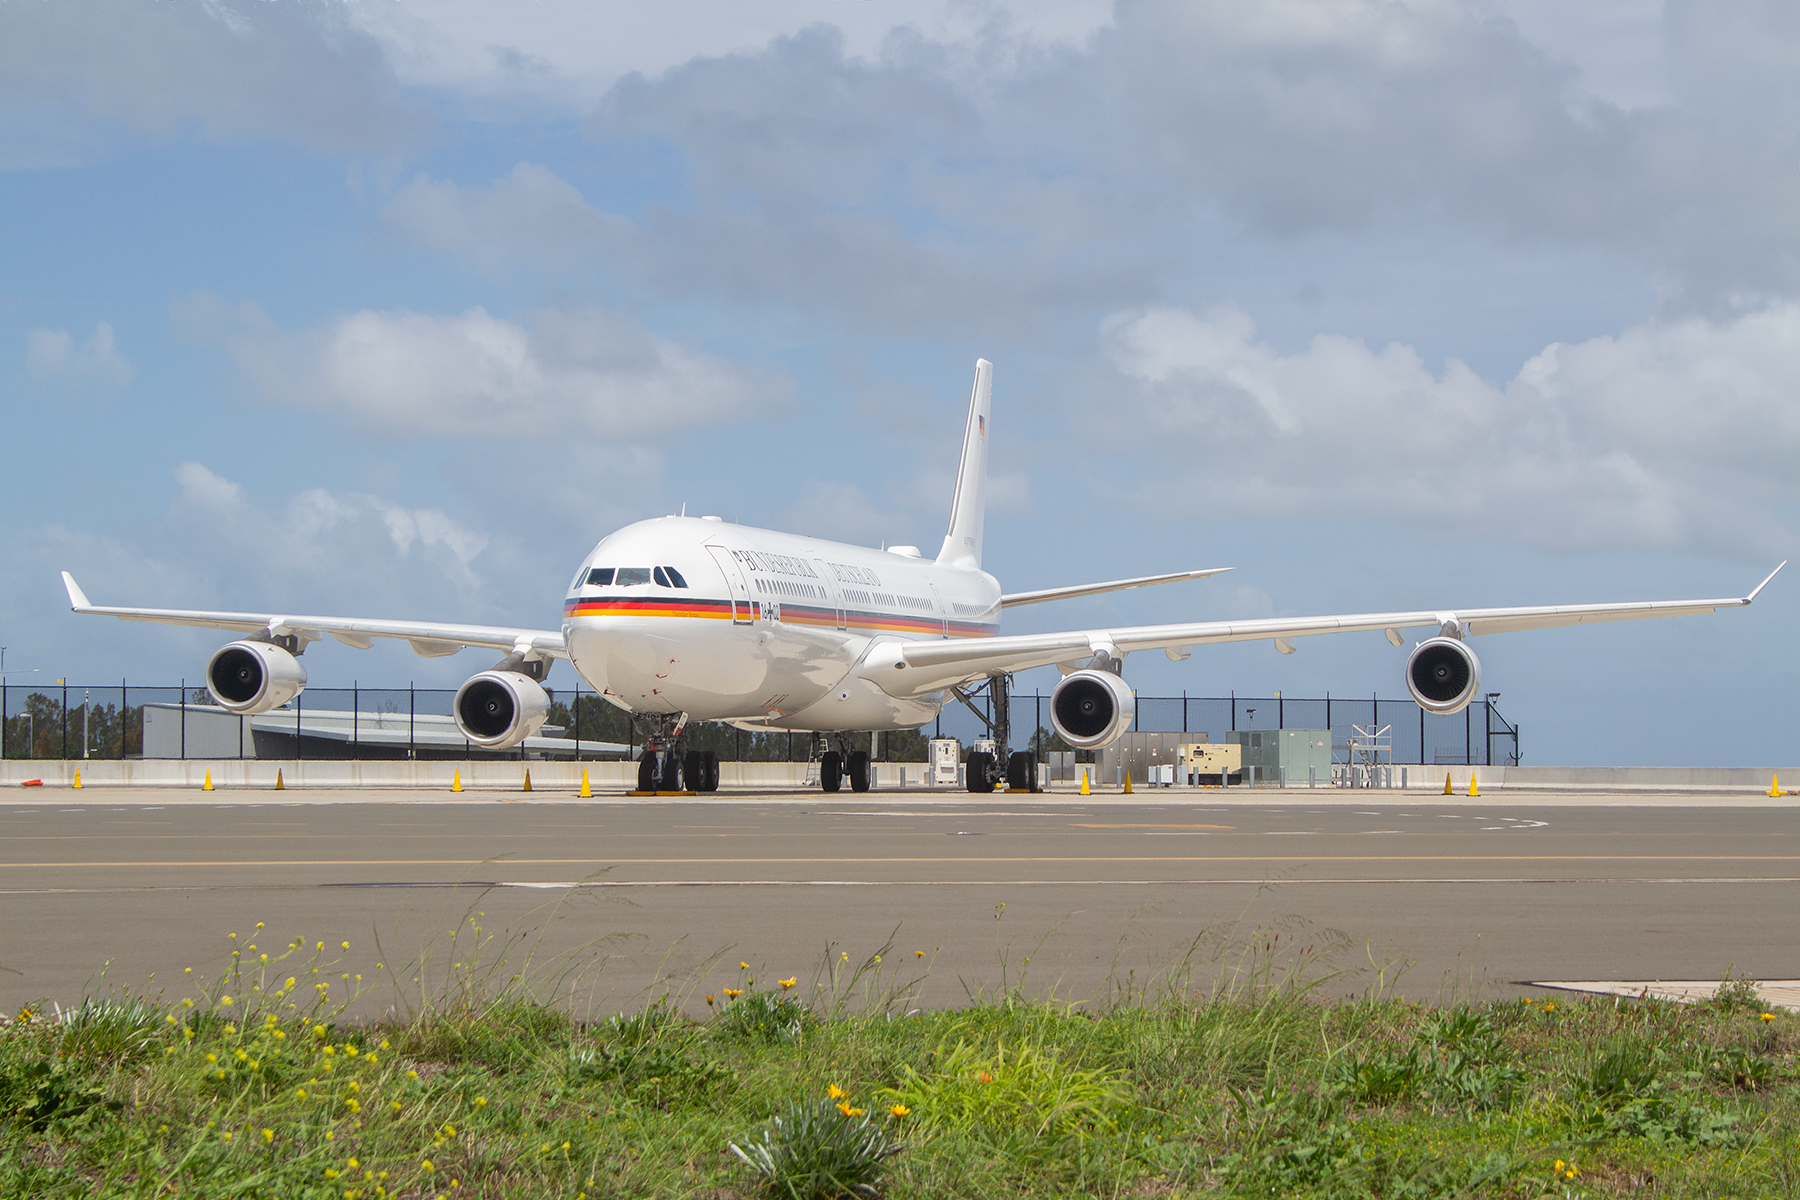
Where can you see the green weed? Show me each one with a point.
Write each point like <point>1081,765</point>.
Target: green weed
<point>820,1150</point>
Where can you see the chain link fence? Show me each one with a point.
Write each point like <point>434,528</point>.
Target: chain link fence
<point>69,722</point>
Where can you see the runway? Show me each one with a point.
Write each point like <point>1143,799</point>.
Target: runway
<point>1100,894</point>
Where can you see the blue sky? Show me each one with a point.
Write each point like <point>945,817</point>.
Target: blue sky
<point>394,309</point>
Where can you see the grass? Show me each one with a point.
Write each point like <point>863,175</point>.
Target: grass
<point>254,1085</point>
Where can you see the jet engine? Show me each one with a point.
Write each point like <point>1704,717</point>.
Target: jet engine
<point>1443,674</point>
<point>253,677</point>
<point>1091,708</point>
<point>499,709</point>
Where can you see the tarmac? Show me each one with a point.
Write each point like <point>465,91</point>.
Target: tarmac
<point>1087,899</point>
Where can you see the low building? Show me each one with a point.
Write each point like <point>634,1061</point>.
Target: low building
<point>206,731</point>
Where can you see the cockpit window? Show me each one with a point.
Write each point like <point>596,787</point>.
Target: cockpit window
<point>662,578</point>
<point>600,577</point>
<point>627,576</point>
<point>675,577</point>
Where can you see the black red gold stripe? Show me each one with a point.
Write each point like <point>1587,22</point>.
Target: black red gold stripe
<point>791,614</point>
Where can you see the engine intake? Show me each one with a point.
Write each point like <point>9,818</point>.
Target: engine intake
<point>1443,674</point>
<point>499,709</point>
<point>253,677</point>
<point>1090,709</point>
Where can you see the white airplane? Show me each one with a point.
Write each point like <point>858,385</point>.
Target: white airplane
<point>685,619</point>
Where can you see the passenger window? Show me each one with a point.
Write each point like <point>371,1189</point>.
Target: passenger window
<point>600,577</point>
<point>628,576</point>
<point>662,579</point>
<point>675,577</point>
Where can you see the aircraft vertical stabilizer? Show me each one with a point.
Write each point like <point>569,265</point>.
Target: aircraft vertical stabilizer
<point>962,545</point>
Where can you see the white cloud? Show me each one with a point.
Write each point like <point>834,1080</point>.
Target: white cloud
<point>226,68</point>
<point>563,372</point>
<point>1676,433</point>
<point>530,214</point>
<point>319,534</point>
<point>51,355</point>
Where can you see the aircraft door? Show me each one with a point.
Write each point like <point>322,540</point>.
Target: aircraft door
<point>743,611</point>
<point>834,593</point>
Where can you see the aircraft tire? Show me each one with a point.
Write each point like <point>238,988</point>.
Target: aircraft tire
<point>711,777</point>
<point>1021,771</point>
<point>831,770</point>
<point>693,770</point>
<point>671,774</point>
<point>981,771</point>
<point>857,765</point>
<point>647,772</point>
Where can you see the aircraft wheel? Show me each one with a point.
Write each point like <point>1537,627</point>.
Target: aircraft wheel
<point>711,776</point>
<point>647,772</point>
<point>694,771</point>
<point>1021,771</point>
<point>858,766</point>
<point>671,773</point>
<point>831,770</point>
<point>981,771</point>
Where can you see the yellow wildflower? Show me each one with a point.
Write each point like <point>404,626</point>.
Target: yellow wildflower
<point>268,1135</point>
<point>788,983</point>
<point>899,1110</point>
<point>836,1092</point>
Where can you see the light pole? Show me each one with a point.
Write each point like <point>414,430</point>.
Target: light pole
<point>85,706</point>
<point>3,712</point>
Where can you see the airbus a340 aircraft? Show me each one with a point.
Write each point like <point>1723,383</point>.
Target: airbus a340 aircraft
<point>682,619</point>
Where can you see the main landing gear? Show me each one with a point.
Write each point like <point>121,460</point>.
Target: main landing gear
<point>837,765</point>
<point>989,763</point>
<point>666,765</point>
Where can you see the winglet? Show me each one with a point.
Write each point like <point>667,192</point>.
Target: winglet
<point>77,598</point>
<point>1747,599</point>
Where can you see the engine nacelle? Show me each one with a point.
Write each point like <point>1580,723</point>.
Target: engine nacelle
<point>1443,674</point>
<point>499,709</point>
<point>253,677</point>
<point>1090,709</point>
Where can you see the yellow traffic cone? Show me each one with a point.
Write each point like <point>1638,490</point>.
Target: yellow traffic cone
<point>1774,783</point>
<point>1474,788</point>
<point>586,791</point>
<point>1128,783</point>
<point>78,778</point>
<point>527,786</point>
<point>206,786</point>
<point>1447,783</point>
<point>1084,781</point>
<point>456,780</point>
<point>279,785</point>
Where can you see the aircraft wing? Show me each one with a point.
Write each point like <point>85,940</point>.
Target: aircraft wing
<point>953,660</point>
<point>1013,599</point>
<point>428,640</point>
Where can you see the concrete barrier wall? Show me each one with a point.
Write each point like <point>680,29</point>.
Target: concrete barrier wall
<point>613,776</point>
<point>418,775</point>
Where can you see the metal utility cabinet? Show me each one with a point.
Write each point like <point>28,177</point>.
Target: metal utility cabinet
<point>1285,757</point>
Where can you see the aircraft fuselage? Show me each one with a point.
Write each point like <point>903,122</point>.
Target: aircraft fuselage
<point>763,629</point>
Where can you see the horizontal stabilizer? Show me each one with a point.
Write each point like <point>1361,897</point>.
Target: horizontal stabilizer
<point>1094,589</point>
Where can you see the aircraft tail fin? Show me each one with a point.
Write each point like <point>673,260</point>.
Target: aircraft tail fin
<point>968,512</point>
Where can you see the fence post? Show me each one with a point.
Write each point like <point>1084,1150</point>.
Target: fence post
<point>1421,736</point>
<point>184,719</point>
<point>297,697</point>
<point>412,707</point>
<point>355,717</point>
<point>65,719</point>
<point>124,718</point>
